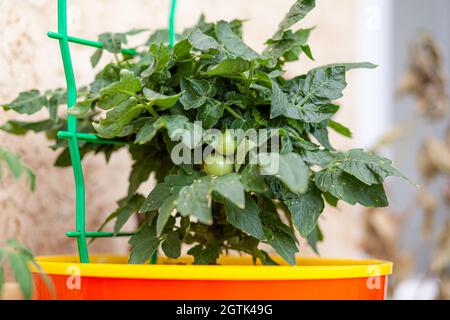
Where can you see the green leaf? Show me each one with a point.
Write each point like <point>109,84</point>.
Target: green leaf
<point>162,54</point>
<point>252,180</point>
<point>324,84</point>
<point>307,50</point>
<point>167,207</point>
<point>230,187</point>
<point>171,245</point>
<point>21,127</point>
<point>112,42</point>
<point>348,188</point>
<point>201,41</point>
<point>311,113</point>
<point>120,91</point>
<point>81,108</point>
<point>207,254</point>
<point>175,125</point>
<point>19,258</point>
<point>234,43</point>
<point>182,51</point>
<point>305,210</point>
<point>367,167</point>
<point>210,113</point>
<point>172,185</point>
<point>296,13</point>
<point>281,105</point>
<point>247,218</point>
<point>330,199</point>
<point>195,93</point>
<point>194,200</point>
<point>278,235</point>
<point>289,168</point>
<point>162,101</point>
<point>229,66</point>
<point>340,128</point>
<point>55,99</point>
<point>350,66</point>
<point>118,118</point>
<point>17,167</point>
<point>95,58</point>
<point>290,46</point>
<point>143,244</point>
<point>28,102</point>
<point>315,237</point>
<point>127,208</point>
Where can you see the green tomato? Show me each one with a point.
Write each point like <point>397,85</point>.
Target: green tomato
<point>217,165</point>
<point>226,144</point>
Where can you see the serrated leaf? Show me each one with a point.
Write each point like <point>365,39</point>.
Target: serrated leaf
<point>171,245</point>
<point>210,113</point>
<point>305,210</point>
<point>348,188</point>
<point>172,185</point>
<point>296,13</point>
<point>278,235</point>
<point>194,200</point>
<point>195,93</point>
<point>324,84</point>
<point>28,102</point>
<point>207,254</point>
<point>246,219</point>
<point>118,92</point>
<point>201,41</point>
<point>367,167</point>
<point>112,42</point>
<point>233,43</point>
<point>162,54</point>
<point>281,104</point>
<point>143,244</point>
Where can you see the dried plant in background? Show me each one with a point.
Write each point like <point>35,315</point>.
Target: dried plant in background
<point>424,79</point>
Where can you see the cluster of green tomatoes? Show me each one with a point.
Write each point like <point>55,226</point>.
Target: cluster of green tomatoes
<point>220,162</point>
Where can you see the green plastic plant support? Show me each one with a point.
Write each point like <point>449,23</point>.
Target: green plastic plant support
<point>73,136</point>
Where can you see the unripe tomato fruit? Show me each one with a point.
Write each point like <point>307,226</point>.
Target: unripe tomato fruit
<point>217,165</point>
<point>226,144</point>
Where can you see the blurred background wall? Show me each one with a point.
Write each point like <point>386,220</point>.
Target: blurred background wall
<point>379,31</point>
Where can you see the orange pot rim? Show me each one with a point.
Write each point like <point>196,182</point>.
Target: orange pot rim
<point>230,268</point>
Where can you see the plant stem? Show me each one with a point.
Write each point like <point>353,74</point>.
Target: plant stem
<point>116,56</point>
<point>234,113</point>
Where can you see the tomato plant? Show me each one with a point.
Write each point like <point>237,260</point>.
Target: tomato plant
<point>153,101</point>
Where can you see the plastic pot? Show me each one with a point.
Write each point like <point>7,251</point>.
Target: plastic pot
<point>110,277</point>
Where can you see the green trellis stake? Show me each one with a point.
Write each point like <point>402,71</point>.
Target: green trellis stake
<point>73,136</point>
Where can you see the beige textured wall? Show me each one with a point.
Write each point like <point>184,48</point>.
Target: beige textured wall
<point>28,59</point>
